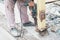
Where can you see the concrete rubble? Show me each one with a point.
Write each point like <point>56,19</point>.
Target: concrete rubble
<point>52,20</point>
<point>53,16</point>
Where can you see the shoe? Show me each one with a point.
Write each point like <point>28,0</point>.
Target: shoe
<point>44,32</point>
<point>28,24</point>
<point>14,32</point>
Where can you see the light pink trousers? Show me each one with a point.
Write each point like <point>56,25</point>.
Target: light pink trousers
<point>9,8</point>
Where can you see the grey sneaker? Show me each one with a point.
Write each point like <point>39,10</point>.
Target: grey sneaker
<point>15,32</point>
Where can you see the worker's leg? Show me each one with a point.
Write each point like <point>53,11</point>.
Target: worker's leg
<point>23,13</point>
<point>41,15</point>
<point>9,8</point>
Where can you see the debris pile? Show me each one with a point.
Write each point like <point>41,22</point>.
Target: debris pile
<point>53,17</point>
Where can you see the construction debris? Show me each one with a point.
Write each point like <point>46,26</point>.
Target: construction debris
<point>53,17</point>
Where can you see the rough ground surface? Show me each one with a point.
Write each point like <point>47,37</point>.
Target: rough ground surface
<point>30,33</point>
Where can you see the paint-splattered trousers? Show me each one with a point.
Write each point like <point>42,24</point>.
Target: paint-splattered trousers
<point>9,9</point>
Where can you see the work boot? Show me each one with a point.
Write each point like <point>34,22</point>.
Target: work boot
<point>15,32</point>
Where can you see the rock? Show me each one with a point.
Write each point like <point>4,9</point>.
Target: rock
<point>58,31</point>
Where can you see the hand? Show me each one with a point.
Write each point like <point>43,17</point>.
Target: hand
<point>31,3</point>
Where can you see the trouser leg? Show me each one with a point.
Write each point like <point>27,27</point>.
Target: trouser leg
<point>9,8</point>
<point>23,12</point>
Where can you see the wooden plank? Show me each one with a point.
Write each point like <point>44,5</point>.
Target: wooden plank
<point>57,3</point>
<point>41,15</point>
<point>51,1</point>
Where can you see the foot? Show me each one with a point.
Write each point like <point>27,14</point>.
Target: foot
<point>37,30</point>
<point>15,32</point>
<point>44,32</point>
<point>29,24</point>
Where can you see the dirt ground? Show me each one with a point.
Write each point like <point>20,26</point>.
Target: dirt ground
<point>30,33</point>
